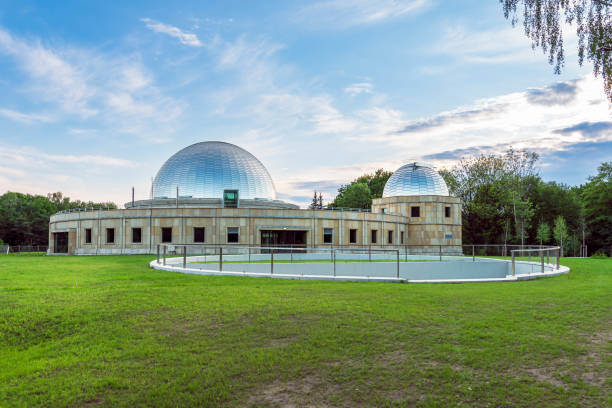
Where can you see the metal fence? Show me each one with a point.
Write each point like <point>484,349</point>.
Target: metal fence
<point>371,262</point>
<point>5,249</point>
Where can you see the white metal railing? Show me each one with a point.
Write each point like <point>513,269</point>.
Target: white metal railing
<point>537,253</point>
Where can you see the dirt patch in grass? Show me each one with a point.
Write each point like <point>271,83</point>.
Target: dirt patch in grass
<point>308,391</point>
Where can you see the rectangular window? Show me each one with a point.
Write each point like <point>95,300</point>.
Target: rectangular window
<point>230,198</point>
<point>136,235</point>
<point>328,235</point>
<point>447,212</point>
<point>383,210</point>
<point>199,234</point>
<point>110,235</point>
<point>353,236</point>
<point>373,236</point>
<point>415,211</point>
<point>402,237</point>
<point>390,237</point>
<point>232,235</point>
<point>88,235</point>
<point>166,234</point>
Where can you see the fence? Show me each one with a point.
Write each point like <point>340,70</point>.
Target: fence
<point>5,249</point>
<point>360,263</point>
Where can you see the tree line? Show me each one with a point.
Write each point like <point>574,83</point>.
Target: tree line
<point>504,200</point>
<point>24,218</point>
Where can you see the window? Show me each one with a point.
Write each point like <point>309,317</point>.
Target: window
<point>352,236</point>
<point>88,235</point>
<point>230,198</point>
<point>373,236</point>
<point>136,235</point>
<point>328,235</point>
<point>401,237</point>
<point>447,212</point>
<point>448,236</point>
<point>167,234</point>
<point>232,235</point>
<point>383,210</point>
<point>390,237</point>
<point>199,234</point>
<point>110,235</point>
<point>415,211</point>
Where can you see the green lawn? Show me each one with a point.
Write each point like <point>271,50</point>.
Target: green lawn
<point>80,331</point>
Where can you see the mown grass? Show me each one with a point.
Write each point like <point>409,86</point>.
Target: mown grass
<point>109,331</point>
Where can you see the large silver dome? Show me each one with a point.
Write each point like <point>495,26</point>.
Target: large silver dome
<point>204,170</point>
<point>415,179</point>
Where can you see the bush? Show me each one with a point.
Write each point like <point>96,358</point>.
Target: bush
<point>600,254</point>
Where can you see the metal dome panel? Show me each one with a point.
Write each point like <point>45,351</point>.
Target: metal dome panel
<point>415,179</point>
<point>206,169</point>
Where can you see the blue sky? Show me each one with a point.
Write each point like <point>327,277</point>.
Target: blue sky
<point>94,97</point>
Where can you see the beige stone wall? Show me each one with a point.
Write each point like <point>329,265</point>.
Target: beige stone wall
<point>430,229</point>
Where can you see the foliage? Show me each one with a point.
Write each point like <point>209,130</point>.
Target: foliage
<point>597,195</point>
<point>560,232</point>
<point>543,234</point>
<point>543,21</point>
<point>494,190</point>
<point>375,184</point>
<point>354,195</point>
<point>110,332</point>
<point>24,218</point>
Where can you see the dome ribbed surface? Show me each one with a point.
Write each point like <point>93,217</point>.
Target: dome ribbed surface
<point>415,179</point>
<point>204,170</point>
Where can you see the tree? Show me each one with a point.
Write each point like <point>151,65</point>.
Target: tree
<point>597,196</point>
<point>543,21</point>
<point>495,193</point>
<point>315,202</point>
<point>24,218</point>
<point>355,195</point>
<point>375,183</point>
<point>560,232</point>
<point>543,234</point>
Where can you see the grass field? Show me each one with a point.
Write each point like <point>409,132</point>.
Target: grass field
<point>108,331</point>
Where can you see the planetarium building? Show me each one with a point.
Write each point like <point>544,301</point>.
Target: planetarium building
<point>217,194</point>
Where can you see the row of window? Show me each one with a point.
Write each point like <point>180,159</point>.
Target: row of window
<point>416,211</point>
<point>199,235</point>
<point>328,236</point>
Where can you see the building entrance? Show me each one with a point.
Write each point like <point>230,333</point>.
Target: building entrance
<point>60,244</point>
<point>283,238</point>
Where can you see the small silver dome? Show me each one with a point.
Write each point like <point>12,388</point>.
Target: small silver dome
<point>415,179</point>
<point>206,169</point>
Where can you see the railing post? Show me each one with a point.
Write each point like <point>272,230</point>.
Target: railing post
<point>513,264</point>
<point>291,250</point>
<point>398,265</point>
<point>558,257</point>
<point>440,253</point>
<point>370,253</point>
<point>158,254</point>
<point>473,253</point>
<point>249,254</point>
<point>548,256</point>
<point>542,260</point>
<point>272,261</point>
<point>165,248</point>
<point>185,257</point>
<point>220,259</point>
<point>334,258</point>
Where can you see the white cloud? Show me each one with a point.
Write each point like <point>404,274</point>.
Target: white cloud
<point>184,38</point>
<point>118,90</point>
<point>346,13</point>
<point>359,88</point>
<point>27,118</point>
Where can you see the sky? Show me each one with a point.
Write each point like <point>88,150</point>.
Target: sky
<point>95,96</point>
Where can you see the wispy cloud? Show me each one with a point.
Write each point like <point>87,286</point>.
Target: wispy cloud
<point>347,13</point>
<point>359,88</point>
<point>118,90</point>
<point>560,93</point>
<point>184,38</point>
<point>27,118</point>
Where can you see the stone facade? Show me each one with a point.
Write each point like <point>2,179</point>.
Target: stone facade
<point>111,231</point>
